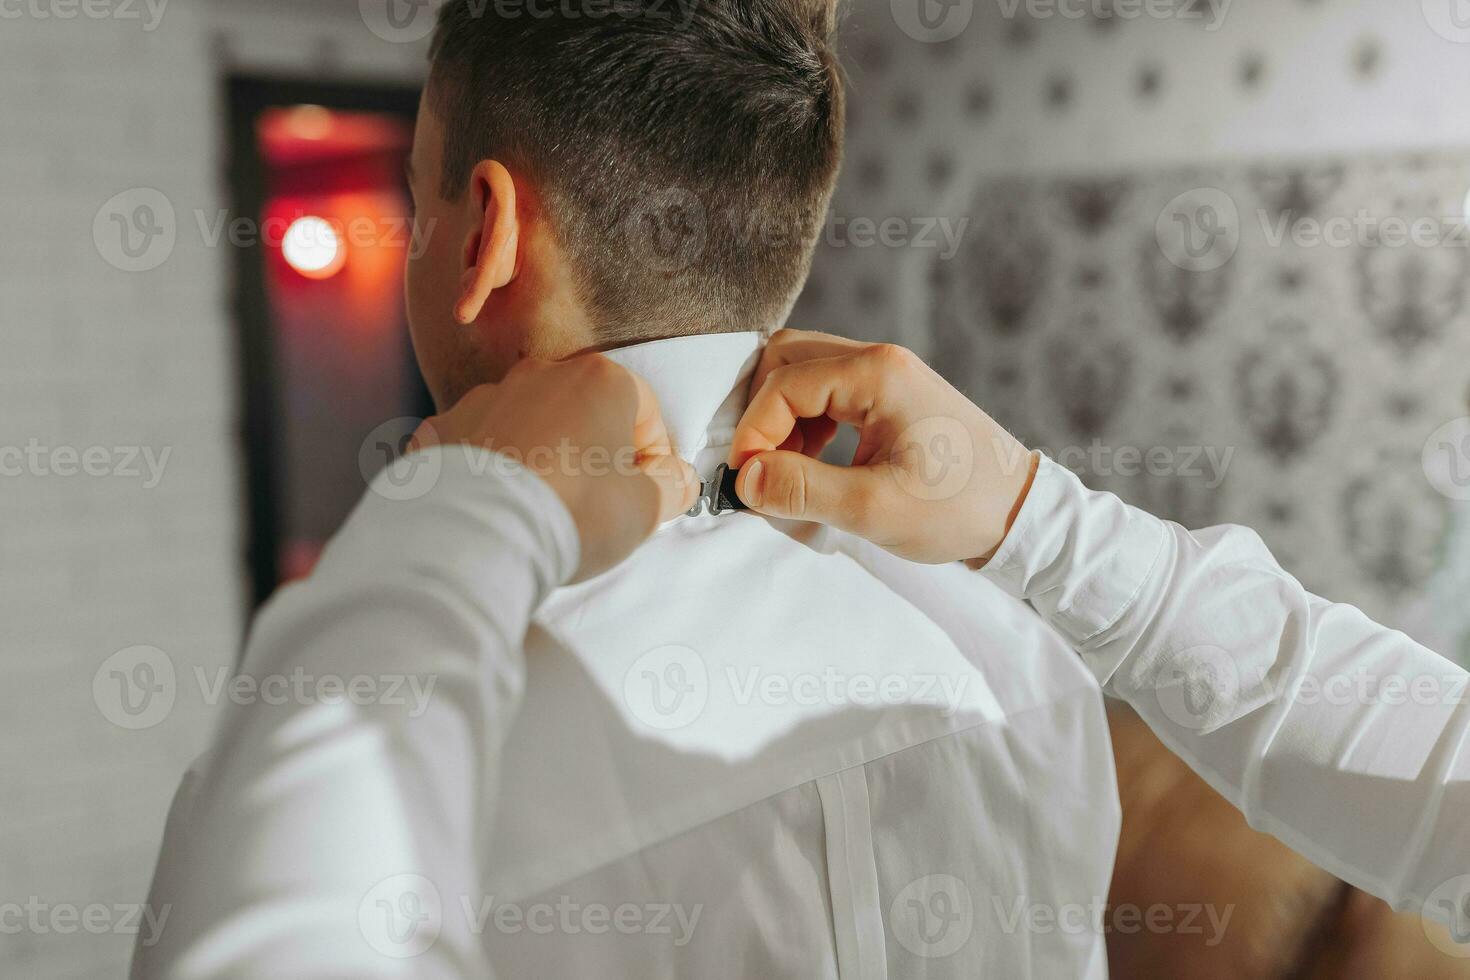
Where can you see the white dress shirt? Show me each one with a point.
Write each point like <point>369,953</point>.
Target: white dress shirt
<point>759,748</point>
<point>1343,738</point>
<point>756,749</point>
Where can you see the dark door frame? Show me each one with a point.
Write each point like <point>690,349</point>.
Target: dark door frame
<point>259,395</point>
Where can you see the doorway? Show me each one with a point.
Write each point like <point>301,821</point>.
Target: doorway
<point>320,228</point>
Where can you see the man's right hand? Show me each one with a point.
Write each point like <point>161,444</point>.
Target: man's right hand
<point>934,478</point>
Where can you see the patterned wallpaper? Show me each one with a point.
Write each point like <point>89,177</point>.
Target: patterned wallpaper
<point>1285,374</point>
<point>1219,270</point>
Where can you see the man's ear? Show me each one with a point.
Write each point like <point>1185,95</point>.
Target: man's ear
<point>491,248</point>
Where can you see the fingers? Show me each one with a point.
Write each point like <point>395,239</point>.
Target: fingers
<point>674,481</point>
<point>650,434</point>
<point>810,437</point>
<point>837,388</point>
<point>795,346</point>
<point>790,485</point>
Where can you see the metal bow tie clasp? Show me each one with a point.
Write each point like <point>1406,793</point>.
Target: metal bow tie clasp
<point>718,494</point>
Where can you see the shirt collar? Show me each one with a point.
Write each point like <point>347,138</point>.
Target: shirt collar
<point>702,384</point>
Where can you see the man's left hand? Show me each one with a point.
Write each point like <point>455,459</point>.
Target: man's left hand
<point>593,431</point>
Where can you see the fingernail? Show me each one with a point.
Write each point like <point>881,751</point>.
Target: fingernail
<point>753,490</point>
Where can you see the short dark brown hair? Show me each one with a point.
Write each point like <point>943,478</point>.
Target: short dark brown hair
<point>686,149</point>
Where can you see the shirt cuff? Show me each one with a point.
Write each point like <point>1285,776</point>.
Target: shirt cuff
<point>1080,557</point>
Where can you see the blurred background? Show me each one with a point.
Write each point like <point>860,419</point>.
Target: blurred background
<point>1211,255</point>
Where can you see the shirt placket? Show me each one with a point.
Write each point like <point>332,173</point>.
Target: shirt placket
<point>857,916</point>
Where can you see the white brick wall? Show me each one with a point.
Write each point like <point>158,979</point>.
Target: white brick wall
<point>93,356</point>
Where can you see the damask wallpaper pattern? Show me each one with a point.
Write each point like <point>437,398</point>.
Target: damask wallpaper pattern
<point>1288,380</point>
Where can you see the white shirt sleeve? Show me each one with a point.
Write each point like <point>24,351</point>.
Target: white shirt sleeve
<point>1341,737</point>
<point>333,829</point>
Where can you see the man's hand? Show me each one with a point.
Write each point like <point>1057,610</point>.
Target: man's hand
<point>590,429</point>
<point>934,478</point>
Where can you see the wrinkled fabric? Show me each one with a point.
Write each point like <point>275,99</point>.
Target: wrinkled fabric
<point>1343,738</point>
<point>757,749</point>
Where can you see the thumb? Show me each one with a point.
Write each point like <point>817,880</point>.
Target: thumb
<point>787,484</point>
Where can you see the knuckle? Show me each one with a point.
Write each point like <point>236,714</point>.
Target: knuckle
<point>592,370</point>
<point>590,364</point>
<point>789,492</point>
<point>532,371</point>
<point>891,357</point>
<point>779,376</point>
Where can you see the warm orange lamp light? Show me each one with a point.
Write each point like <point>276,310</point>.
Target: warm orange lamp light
<point>313,248</point>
